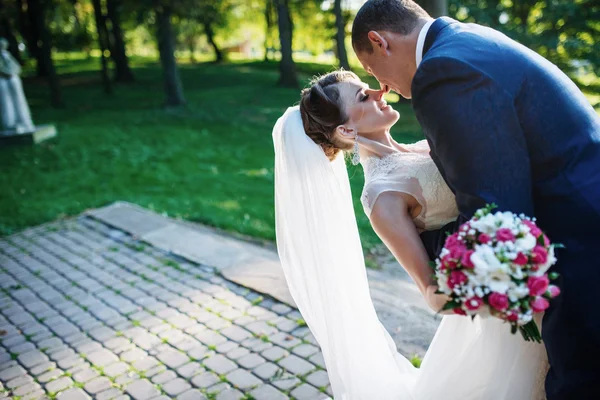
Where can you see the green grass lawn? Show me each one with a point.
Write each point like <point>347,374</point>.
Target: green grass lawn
<point>210,163</point>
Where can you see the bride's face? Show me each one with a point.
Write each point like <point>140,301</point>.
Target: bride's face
<point>367,110</point>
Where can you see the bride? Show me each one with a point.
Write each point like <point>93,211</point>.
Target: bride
<point>321,254</point>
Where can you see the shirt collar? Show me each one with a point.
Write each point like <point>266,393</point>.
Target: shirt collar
<point>421,41</point>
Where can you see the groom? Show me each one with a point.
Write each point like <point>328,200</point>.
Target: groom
<point>505,126</point>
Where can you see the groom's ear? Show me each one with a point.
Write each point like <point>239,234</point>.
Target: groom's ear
<point>379,42</point>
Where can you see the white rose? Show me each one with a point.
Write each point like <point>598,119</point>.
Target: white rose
<point>517,273</point>
<point>505,219</point>
<point>484,259</point>
<point>500,286</point>
<point>518,292</point>
<point>526,244</point>
<point>486,224</point>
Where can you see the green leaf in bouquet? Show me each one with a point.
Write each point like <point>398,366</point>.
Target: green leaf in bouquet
<point>451,305</point>
<point>558,246</point>
<point>553,275</point>
<point>540,240</point>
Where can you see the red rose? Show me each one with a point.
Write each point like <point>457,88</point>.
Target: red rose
<point>538,285</point>
<point>448,262</point>
<point>466,259</point>
<point>505,235</point>
<point>540,255</point>
<point>457,278</point>
<point>459,311</point>
<point>554,290</point>
<point>473,303</point>
<point>539,304</point>
<point>484,238</point>
<point>521,259</point>
<point>512,317</point>
<point>535,231</point>
<point>498,301</point>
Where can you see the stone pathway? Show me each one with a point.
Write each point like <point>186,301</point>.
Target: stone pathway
<point>88,311</point>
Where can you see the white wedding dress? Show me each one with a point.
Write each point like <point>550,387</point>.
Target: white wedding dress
<point>322,259</point>
<point>480,359</point>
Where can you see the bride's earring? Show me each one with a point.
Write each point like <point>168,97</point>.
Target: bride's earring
<point>355,154</point>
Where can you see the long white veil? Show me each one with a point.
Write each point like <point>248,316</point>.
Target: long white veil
<point>322,259</point>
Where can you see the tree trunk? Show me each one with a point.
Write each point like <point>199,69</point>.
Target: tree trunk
<point>36,10</point>
<point>119,55</point>
<point>269,26</point>
<point>210,35</point>
<point>340,35</point>
<point>192,48</point>
<point>166,48</point>
<point>31,33</point>
<point>103,43</point>
<point>435,8</point>
<point>287,68</point>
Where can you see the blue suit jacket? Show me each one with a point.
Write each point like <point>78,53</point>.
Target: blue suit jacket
<point>506,126</point>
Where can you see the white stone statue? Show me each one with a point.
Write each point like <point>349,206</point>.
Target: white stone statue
<point>15,116</point>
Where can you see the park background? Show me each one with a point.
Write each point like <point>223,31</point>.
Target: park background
<point>170,104</point>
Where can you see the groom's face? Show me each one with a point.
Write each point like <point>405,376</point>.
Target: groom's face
<point>392,67</point>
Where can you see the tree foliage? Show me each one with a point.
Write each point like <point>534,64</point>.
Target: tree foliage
<point>565,32</point>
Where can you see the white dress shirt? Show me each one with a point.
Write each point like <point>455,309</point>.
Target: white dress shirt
<point>421,41</point>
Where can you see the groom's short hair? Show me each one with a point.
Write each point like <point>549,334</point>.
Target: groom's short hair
<point>398,16</point>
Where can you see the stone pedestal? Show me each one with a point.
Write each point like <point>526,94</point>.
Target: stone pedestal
<point>41,133</point>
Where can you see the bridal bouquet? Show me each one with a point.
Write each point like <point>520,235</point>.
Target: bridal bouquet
<point>496,264</point>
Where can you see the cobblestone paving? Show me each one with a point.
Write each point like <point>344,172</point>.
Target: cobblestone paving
<point>87,311</point>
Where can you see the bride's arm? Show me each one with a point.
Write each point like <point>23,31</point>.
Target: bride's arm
<point>391,219</point>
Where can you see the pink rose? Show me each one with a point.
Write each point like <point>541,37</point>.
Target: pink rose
<point>466,259</point>
<point>513,316</point>
<point>484,238</point>
<point>539,304</point>
<point>538,285</point>
<point>521,259</point>
<point>457,251</point>
<point>540,255</point>
<point>459,311</point>
<point>473,303</point>
<point>457,278</point>
<point>554,290</point>
<point>535,231</point>
<point>498,301</point>
<point>453,241</point>
<point>505,235</point>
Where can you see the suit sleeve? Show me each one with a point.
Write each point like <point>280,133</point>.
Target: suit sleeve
<point>476,141</point>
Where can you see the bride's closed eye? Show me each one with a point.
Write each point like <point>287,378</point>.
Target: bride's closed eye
<point>364,98</point>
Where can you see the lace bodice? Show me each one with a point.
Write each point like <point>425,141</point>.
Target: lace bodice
<point>412,172</point>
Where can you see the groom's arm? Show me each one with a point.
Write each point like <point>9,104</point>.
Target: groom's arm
<point>476,138</point>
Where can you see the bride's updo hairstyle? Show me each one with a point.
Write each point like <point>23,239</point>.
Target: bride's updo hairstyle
<point>322,111</point>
